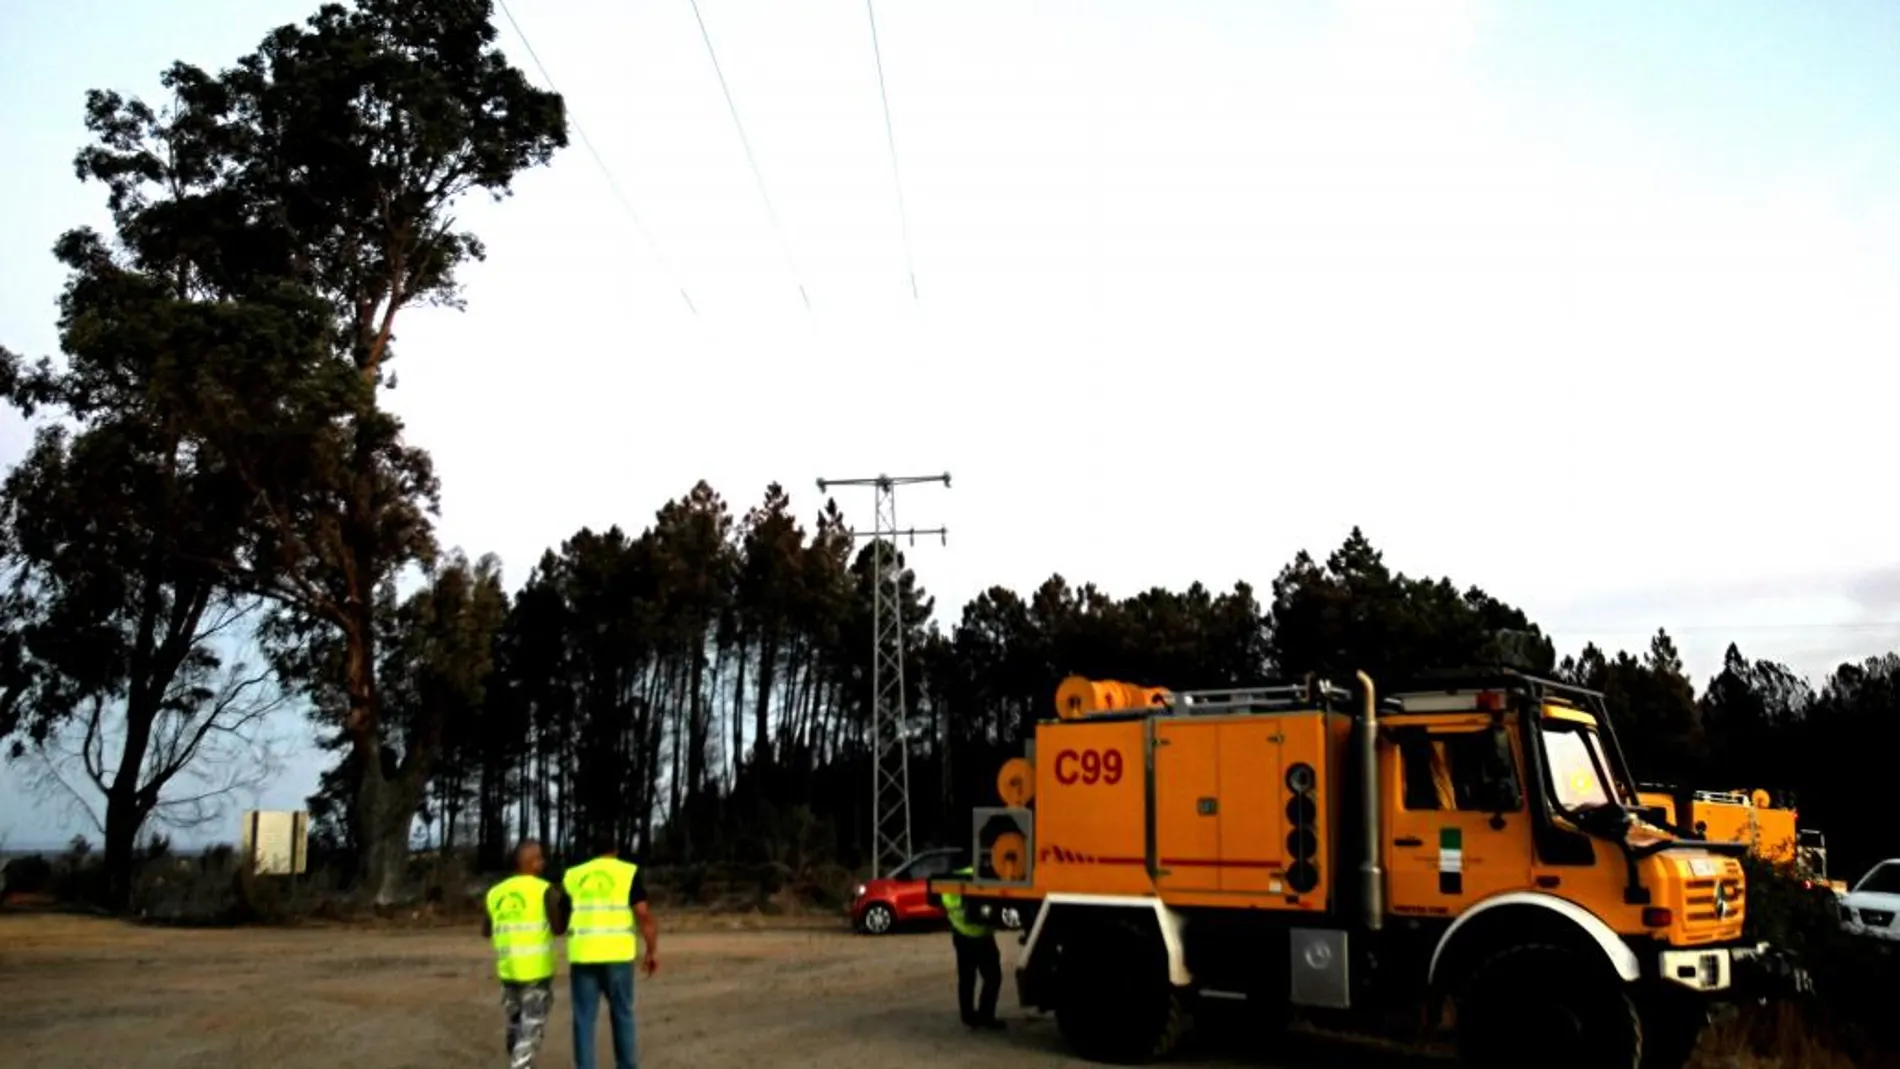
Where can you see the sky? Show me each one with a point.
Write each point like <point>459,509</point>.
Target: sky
<point>1594,305</point>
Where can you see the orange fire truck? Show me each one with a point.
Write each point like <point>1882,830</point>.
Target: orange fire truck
<point>1473,845</point>
<point>1770,832</point>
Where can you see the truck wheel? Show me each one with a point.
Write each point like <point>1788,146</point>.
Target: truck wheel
<point>1548,1007</point>
<point>1116,1003</point>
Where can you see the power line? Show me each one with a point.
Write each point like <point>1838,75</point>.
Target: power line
<point>890,138</point>
<point>746,143</point>
<point>1610,629</point>
<point>612,184</point>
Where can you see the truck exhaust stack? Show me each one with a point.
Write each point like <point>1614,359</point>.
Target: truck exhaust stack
<point>1371,876</point>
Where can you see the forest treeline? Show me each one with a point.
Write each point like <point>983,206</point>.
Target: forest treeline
<point>219,518</point>
<point>702,686</point>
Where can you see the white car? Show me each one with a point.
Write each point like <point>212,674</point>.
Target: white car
<point>1871,907</point>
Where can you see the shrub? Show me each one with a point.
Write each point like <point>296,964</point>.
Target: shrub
<point>29,875</point>
<point>1851,1008</point>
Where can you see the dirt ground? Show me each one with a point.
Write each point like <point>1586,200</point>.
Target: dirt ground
<point>81,993</point>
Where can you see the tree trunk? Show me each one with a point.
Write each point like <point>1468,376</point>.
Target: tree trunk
<point>543,803</point>
<point>738,709</point>
<point>788,693</point>
<point>648,727</point>
<point>124,817</point>
<point>768,678</point>
<point>696,717</point>
<point>384,814</point>
<point>946,793</point>
<point>525,794</point>
<point>451,814</point>
<point>491,831</point>
<point>679,740</point>
<point>380,813</point>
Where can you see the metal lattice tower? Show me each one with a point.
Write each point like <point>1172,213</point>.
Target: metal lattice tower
<point>890,757</point>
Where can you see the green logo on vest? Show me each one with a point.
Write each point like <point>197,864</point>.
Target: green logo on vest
<point>511,904</point>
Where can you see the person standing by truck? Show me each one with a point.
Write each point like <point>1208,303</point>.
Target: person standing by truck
<point>976,958</point>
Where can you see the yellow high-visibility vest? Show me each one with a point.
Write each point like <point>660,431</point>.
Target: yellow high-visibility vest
<point>524,941</point>
<point>953,908</point>
<point>600,922</point>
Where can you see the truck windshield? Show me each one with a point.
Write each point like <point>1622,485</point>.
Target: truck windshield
<point>1579,773</point>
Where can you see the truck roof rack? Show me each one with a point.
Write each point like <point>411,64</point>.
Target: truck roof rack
<point>1264,699</point>
<point>1498,678</point>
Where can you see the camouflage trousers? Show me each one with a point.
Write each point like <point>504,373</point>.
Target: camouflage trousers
<point>528,1007</point>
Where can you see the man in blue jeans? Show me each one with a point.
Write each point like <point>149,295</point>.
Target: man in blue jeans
<point>604,896</point>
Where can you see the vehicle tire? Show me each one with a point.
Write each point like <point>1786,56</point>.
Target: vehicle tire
<point>1548,1007</point>
<point>877,919</point>
<point>1116,1003</point>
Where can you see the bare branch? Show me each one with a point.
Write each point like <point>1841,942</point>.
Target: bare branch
<point>48,782</point>
<point>210,745</point>
<point>92,751</point>
<point>224,716</point>
<point>229,615</point>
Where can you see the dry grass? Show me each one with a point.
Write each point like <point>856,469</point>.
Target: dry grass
<point>735,991</point>
<point>1779,1037</point>
<point>709,900</point>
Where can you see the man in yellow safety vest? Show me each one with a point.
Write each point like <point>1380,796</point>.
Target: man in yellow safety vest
<point>522,920</point>
<point>976,955</point>
<point>604,897</point>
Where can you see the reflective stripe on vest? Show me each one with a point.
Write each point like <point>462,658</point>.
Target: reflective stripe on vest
<point>953,908</point>
<point>524,941</point>
<point>600,922</point>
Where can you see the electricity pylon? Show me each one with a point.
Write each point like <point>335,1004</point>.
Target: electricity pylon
<point>890,756</point>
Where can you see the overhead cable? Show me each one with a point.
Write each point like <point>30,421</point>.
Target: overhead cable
<point>890,138</point>
<point>613,184</point>
<point>746,143</point>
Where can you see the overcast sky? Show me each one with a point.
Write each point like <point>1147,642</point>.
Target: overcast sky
<point>1595,305</point>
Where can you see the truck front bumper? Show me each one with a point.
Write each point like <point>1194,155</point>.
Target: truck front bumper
<point>1758,971</point>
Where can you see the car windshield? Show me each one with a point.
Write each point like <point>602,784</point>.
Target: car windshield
<point>924,867</point>
<point>1579,774</point>
<point>1884,880</point>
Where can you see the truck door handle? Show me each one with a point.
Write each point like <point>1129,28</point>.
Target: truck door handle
<point>1408,841</point>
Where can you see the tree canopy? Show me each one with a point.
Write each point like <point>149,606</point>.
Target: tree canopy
<point>731,723</point>
<point>269,226</point>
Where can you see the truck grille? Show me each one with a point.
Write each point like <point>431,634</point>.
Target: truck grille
<point>1877,918</point>
<point>1715,901</point>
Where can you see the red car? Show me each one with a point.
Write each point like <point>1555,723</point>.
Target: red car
<point>903,897</point>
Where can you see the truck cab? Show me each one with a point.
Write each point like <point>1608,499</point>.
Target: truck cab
<point>1485,800</point>
<point>1473,843</point>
